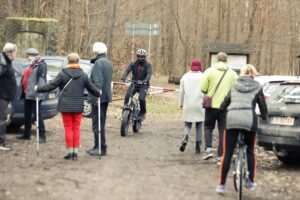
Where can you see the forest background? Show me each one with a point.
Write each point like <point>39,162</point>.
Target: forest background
<point>270,27</point>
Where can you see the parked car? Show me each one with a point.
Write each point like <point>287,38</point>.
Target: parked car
<point>57,63</point>
<point>16,108</point>
<point>280,132</point>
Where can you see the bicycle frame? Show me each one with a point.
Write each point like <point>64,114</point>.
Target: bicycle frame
<point>133,104</point>
<point>130,113</point>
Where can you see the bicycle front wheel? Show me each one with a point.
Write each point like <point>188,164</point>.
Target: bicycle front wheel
<point>125,122</point>
<point>136,126</point>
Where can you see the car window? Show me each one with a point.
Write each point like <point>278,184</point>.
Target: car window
<point>54,67</point>
<point>287,93</point>
<point>19,66</point>
<point>270,87</point>
<point>87,68</point>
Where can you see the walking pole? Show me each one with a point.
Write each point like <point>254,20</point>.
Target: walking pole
<point>37,126</point>
<point>99,128</point>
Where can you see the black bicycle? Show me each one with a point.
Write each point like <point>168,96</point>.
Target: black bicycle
<point>131,111</point>
<point>240,170</point>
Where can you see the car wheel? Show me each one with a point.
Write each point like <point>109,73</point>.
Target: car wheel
<point>290,158</point>
<point>87,109</point>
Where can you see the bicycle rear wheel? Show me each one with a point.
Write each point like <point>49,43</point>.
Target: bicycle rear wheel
<point>241,167</point>
<point>125,122</point>
<point>236,173</point>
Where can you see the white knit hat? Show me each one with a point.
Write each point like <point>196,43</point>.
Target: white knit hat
<point>99,48</point>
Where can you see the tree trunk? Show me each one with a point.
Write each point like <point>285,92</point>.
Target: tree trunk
<point>111,15</point>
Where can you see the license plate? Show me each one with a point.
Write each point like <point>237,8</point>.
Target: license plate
<point>289,121</point>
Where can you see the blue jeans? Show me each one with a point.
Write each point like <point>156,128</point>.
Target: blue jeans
<point>188,127</point>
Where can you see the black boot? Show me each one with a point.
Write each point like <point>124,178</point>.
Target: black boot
<point>69,156</point>
<point>75,156</point>
<point>197,148</point>
<point>143,111</point>
<point>184,143</point>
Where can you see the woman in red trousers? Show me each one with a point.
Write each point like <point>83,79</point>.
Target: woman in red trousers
<point>71,81</point>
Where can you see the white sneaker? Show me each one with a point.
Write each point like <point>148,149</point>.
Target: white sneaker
<point>219,161</point>
<point>220,189</point>
<point>208,154</point>
<point>4,147</point>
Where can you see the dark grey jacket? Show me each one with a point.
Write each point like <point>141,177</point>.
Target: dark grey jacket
<point>71,98</point>
<point>241,102</point>
<point>38,76</point>
<point>8,85</point>
<point>140,71</point>
<point>101,77</point>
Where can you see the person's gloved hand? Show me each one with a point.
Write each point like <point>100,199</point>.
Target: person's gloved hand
<point>100,92</point>
<point>144,82</point>
<point>35,88</point>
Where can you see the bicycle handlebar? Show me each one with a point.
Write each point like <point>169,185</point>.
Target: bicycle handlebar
<point>139,82</point>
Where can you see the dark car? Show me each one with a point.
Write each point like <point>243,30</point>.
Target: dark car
<point>55,65</point>
<point>280,132</point>
<point>16,114</point>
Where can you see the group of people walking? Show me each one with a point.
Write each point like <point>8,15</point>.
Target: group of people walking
<point>231,101</point>
<point>228,100</point>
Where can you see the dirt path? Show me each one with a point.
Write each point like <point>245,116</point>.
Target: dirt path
<point>147,165</point>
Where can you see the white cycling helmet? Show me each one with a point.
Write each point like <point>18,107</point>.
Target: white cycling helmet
<point>99,48</point>
<point>141,52</point>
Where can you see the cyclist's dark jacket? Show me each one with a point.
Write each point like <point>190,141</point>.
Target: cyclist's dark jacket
<point>140,71</point>
<point>241,102</point>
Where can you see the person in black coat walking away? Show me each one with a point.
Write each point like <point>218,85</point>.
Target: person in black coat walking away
<point>72,81</point>
<point>241,118</point>
<point>8,87</point>
<point>101,77</point>
<point>34,74</point>
<point>141,71</point>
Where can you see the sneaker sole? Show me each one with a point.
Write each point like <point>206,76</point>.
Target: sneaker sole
<point>5,149</point>
<point>207,157</point>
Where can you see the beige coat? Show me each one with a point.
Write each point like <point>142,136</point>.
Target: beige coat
<point>191,97</point>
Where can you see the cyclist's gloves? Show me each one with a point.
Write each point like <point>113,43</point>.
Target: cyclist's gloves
<point>142,82</point>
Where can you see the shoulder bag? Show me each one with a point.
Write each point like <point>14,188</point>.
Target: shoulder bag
<point>207,100</point>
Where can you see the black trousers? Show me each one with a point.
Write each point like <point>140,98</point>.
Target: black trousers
<point>142,90</point>
<point>3,118</point>
<point>30,112</point>
<point>95,119</point>
<point>230,141</point>
<point>213,115</point>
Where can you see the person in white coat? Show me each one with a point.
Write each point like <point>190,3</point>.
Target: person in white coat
<point>190,102</point>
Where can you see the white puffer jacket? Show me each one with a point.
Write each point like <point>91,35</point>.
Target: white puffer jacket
<point>191,97</point>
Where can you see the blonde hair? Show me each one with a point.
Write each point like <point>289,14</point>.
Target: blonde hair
<point>73,58</point>
<point>248,70</point>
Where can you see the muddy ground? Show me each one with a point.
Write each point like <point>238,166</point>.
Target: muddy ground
<point>147,165</point>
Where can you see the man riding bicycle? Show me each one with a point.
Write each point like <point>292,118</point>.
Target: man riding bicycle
<point>141,71</point>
